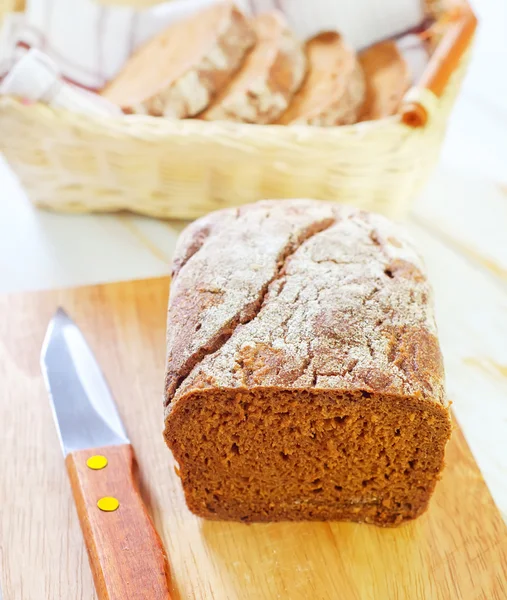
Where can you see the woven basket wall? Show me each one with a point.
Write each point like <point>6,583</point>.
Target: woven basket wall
<point>183,169</point>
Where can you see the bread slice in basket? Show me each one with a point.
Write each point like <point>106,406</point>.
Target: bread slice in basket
<point>272,72</point>
<point>179,72</point>
<point>334,89</point>
<point>387,78</point>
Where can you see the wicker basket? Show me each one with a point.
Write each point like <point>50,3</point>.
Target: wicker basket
<point>183,169</point>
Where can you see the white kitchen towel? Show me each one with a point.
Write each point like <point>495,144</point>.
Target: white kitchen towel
<point>90,42</point>
<point>36,78</point>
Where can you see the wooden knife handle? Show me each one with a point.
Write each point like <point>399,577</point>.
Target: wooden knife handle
<point>126,555</point>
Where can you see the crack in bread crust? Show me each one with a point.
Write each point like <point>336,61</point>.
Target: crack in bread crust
<point>350,309</point>
<point>234,306</point>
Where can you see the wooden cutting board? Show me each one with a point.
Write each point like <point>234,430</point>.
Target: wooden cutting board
<point>458,550</point>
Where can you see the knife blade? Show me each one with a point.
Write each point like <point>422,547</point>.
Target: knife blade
<point>126,555</point>
<point>84,410</point>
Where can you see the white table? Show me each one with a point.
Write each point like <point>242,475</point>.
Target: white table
<point>460,222</point>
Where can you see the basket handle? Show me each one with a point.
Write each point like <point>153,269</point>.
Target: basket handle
<point>419,101</point>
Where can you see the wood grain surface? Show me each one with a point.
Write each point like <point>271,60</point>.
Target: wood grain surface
<point>457,550</point>
<point>127,558</point>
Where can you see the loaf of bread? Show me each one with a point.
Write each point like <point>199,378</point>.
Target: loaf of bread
<point>271,74</point>
<point>333,91</point>
<point>179,72</point>
<point>304,376</point>
<point>387,79</point>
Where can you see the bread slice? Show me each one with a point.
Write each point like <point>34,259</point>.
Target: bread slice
<point>272,72</point>
<point>333,92</point>
<point>387,79</point>
<point>304,377</point>
<point>178,73</point>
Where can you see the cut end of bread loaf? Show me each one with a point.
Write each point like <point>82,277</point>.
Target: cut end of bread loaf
<point>304,377</point>
<point>275,454</point>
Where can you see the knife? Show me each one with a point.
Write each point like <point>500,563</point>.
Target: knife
<point>126,555</point>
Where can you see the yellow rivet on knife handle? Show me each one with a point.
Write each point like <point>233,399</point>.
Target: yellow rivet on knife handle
<point>108,504</point>
<point>96,462</point>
